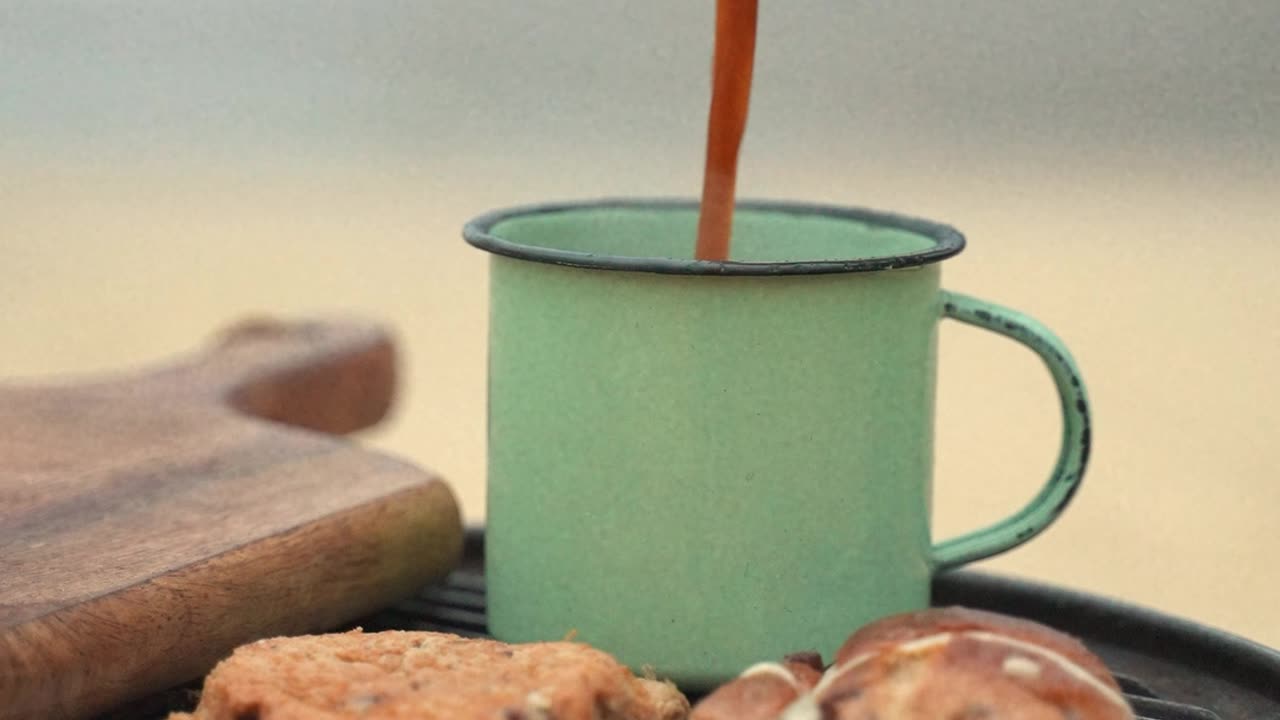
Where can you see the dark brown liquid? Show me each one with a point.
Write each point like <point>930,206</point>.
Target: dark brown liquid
<point>730,97</point>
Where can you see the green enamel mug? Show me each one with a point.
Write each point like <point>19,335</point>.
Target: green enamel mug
<point>699,465</point>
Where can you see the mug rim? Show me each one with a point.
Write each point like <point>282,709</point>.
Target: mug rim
<point>947,241</point>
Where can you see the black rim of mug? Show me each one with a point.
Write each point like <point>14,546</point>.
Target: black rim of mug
<point>947,241</point>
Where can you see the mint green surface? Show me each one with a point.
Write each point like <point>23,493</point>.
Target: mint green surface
<point>697,473</point>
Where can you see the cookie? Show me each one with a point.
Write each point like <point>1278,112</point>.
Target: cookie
<point>398,675</point>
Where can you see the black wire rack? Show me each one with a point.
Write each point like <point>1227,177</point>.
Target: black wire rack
<point>1168,668</point>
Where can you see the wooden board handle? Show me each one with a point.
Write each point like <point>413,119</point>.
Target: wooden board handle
<point>331,376</point>
<point>150,521</point>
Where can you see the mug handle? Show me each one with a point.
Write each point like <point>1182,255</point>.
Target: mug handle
<point>1073,456</point>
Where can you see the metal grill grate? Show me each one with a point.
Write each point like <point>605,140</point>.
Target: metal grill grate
<point>1168,668</point>
<point>458,606</point>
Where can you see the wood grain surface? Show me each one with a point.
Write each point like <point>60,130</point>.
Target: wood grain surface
<point>151,522</point>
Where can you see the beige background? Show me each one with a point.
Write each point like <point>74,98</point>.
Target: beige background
<point>169,166</point>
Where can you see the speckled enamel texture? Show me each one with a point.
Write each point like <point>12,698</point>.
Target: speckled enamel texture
<point>699,465</point>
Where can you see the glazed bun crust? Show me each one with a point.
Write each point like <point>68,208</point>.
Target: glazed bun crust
<point>898,629</point>
<point>940,664</point>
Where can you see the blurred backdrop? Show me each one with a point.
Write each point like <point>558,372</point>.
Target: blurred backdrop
<point>167,167</point>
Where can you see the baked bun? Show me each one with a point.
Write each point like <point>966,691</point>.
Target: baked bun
<point>763,691</point>
<point>428,676</point>
<point>940,664</point>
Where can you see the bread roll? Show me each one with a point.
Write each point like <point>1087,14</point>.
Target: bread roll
<point>941,664</point>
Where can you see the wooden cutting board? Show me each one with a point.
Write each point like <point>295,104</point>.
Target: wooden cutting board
<point>151,522</point>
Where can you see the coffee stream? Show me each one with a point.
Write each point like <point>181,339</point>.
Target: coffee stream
<point>730,97</point>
